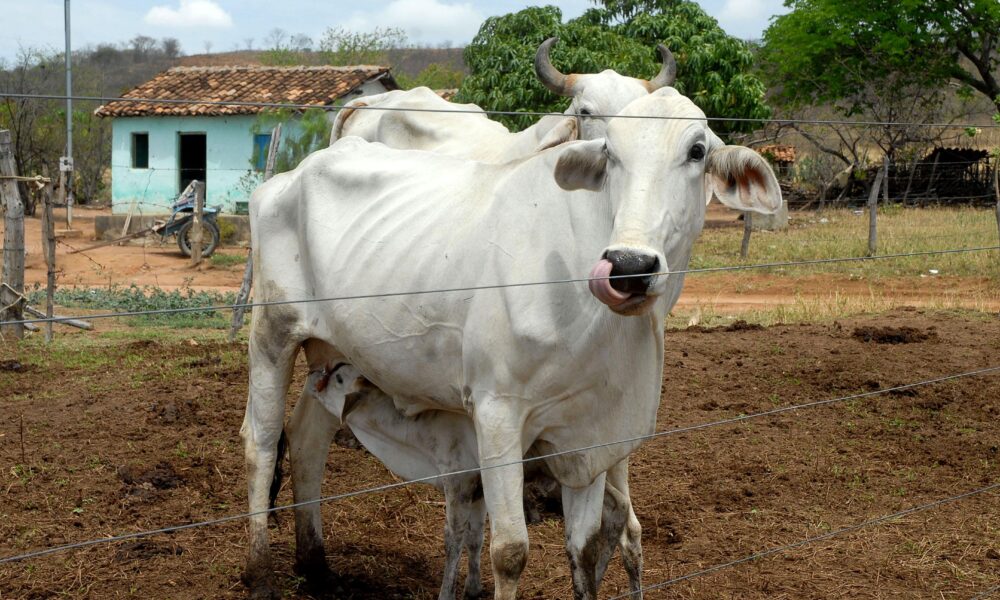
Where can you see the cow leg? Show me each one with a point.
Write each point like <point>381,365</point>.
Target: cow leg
<point>476,518</point>
<point>498,435</point>
<point>454,535</point>
<point>310,431</point>
<point>613,518</point>
<point>631,537</point>
<point>466,518</point>
<point>270,374</point>
<point>582,510</point>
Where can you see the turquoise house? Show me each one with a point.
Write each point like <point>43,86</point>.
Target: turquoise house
<point>158,148</point>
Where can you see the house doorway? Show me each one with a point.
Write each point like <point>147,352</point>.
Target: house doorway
<point>191,158</point>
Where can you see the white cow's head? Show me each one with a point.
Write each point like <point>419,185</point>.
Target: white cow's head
<point>604,93</point>
<point>659,174</point>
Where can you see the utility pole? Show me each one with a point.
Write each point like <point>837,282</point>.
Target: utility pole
<point>66,162</point>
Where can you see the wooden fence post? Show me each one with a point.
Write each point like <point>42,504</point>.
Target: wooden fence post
<point>873,210</point>
<point>996,190</point>
<point>197,235</point>
<point>747,228</point>
<point>49,240</point>
<point>885,180</point>
<point>13,242</point>
<point>244,294</point>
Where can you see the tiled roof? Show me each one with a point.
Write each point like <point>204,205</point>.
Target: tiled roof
<point>778,153</point>
<point>318,86</point>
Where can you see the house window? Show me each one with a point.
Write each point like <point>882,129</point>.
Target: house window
<point>140,150</point>
<point>261,141</point>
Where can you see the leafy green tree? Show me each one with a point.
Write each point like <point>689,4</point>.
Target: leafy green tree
<point>436,76</point>
<point>713,67</point>
<point>881,61</point>
<point>823,50</point>
<point>311,132</point>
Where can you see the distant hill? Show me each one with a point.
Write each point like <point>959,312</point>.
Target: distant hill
<point>405,61</point>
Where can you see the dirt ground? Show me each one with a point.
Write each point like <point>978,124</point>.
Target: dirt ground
<point>124,434</point>
<point>148,262</point>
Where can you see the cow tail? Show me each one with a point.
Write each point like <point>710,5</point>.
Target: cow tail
<point>279,471</point>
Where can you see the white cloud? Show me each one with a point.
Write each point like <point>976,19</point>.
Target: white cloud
<point>424,20</point>
<point>190,13</point>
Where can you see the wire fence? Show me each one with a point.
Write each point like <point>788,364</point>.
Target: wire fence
<point>475,288</point>
<point>814,539</point>
<point>670,432</point>
<point>521,113</point>
<point>432,478</point>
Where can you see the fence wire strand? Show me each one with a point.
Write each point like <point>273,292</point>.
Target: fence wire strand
<point>475,288</point>
<point>986,593</point>
<point>513,113</point>
<point>429,479</point>
<point>825,536</point>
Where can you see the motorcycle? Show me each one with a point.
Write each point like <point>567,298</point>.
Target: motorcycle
<point>181,224</point>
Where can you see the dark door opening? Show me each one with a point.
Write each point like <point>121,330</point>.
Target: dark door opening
<point>191,158</point>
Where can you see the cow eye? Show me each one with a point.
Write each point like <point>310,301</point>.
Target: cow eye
<point>696,153</point>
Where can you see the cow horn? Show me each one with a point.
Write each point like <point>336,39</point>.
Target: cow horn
<point>548,74</point>
<point>668,72</point>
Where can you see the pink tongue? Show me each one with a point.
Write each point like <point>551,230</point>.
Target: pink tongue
<point>601,288</point>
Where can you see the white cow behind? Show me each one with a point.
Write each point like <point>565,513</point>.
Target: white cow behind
<point>407,119</point>
<point>548,366</point>
<point>432,443</point>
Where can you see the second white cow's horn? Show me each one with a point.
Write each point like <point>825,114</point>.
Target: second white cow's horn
<point>668,72</point>
<point>562,84</point>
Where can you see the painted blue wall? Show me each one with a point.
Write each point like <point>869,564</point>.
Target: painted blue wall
<point>229,148</point>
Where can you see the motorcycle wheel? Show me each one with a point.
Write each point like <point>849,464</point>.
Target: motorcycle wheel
<point>209,238</point>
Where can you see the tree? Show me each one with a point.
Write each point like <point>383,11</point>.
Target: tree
<point>436,76</point>
<point>35,125</point>
<point>822,49</point>
<point>276,38</point>
<point>312,128</point>
<point>887,62</point>
<point>340,46</point>
<point>713,67</point>
<point>171,47</point>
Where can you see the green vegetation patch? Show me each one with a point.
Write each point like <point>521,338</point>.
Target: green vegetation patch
<point>135,298</point>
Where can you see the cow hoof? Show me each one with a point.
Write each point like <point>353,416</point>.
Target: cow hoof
<point>261,588</point>
<point>264,592</point>
<point>314,568</point>
<point>473,594</point>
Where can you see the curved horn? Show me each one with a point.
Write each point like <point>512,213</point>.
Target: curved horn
<point>668,72</point>
<point>547,74</point>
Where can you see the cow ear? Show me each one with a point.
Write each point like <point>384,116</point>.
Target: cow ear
<point>741,179</point>
<point>564,131</point>
<point>582,166</point>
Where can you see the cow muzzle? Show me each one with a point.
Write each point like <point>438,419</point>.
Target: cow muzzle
<point>625,280</point>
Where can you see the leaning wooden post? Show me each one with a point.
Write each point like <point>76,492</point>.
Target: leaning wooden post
<point>49,239</point>
<point>996,190</point>
<point>13,242</point>
<point>244,294</point>
<point>196,230</point>
<point>872,211</point>
<point>885,180</point>
<point>747,228</point>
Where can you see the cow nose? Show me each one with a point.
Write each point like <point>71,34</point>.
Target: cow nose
<point>633,269</point>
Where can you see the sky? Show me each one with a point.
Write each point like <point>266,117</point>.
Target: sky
<point>224,25</point>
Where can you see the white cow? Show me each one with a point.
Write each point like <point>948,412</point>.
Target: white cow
<point>406,119</point>
<point>545,366</point>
